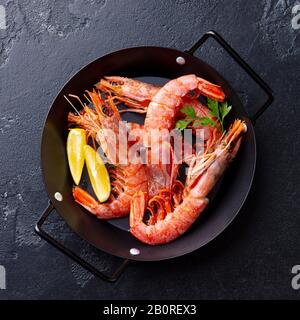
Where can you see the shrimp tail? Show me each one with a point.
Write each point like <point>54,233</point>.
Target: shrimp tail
<point>210,90</point>
<point>84,198</point>
<point>110,210</point>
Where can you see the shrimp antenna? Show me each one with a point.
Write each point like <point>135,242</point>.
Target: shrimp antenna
<point>87,98</point>
<point>73,106</point>
<point>86,110</point>
<point>76,97</point>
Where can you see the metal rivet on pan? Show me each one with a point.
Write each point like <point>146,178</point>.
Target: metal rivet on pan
<point>134,251</point>
<point>180,60</point>
<point>58,196</point>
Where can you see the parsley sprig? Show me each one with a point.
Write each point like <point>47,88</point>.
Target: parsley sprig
<point>217,110</point>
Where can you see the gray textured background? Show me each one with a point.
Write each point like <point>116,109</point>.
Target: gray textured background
<point>48,41</point>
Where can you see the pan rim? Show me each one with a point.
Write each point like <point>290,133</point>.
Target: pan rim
<point>142,258</point>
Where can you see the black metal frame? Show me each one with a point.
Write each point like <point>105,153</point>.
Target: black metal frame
<point>243,64</point>
<point>116,274</point>
<point>71,254</point>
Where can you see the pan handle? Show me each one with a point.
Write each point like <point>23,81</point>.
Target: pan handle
<point>244,65</point>
<point>43,234</point>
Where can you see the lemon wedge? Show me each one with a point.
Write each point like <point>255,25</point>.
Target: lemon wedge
<point>98,173</point>
<point>75,143</point>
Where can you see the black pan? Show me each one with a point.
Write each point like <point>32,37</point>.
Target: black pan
<point>155,64</point>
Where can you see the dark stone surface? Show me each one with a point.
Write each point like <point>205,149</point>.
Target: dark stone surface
<point>48,41</point>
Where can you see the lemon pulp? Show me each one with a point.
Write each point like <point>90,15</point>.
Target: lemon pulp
<point>75,144</point>
<point>98,173</point>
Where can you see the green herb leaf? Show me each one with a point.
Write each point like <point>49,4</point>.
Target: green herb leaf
<point>218,111</point>
<point>214,107</point>
<point>224,110</point>
<point>182,124</point>
<point>189,111</point>
<point>204,121</point>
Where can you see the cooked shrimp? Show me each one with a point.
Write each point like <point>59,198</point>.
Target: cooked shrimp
<point>127,181</point>
<point>161,116</point>
<point>134,93</point>
<point>165,104</point>
<point>204,172</point>
<point>137,95</point>
<point>127,178</point>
